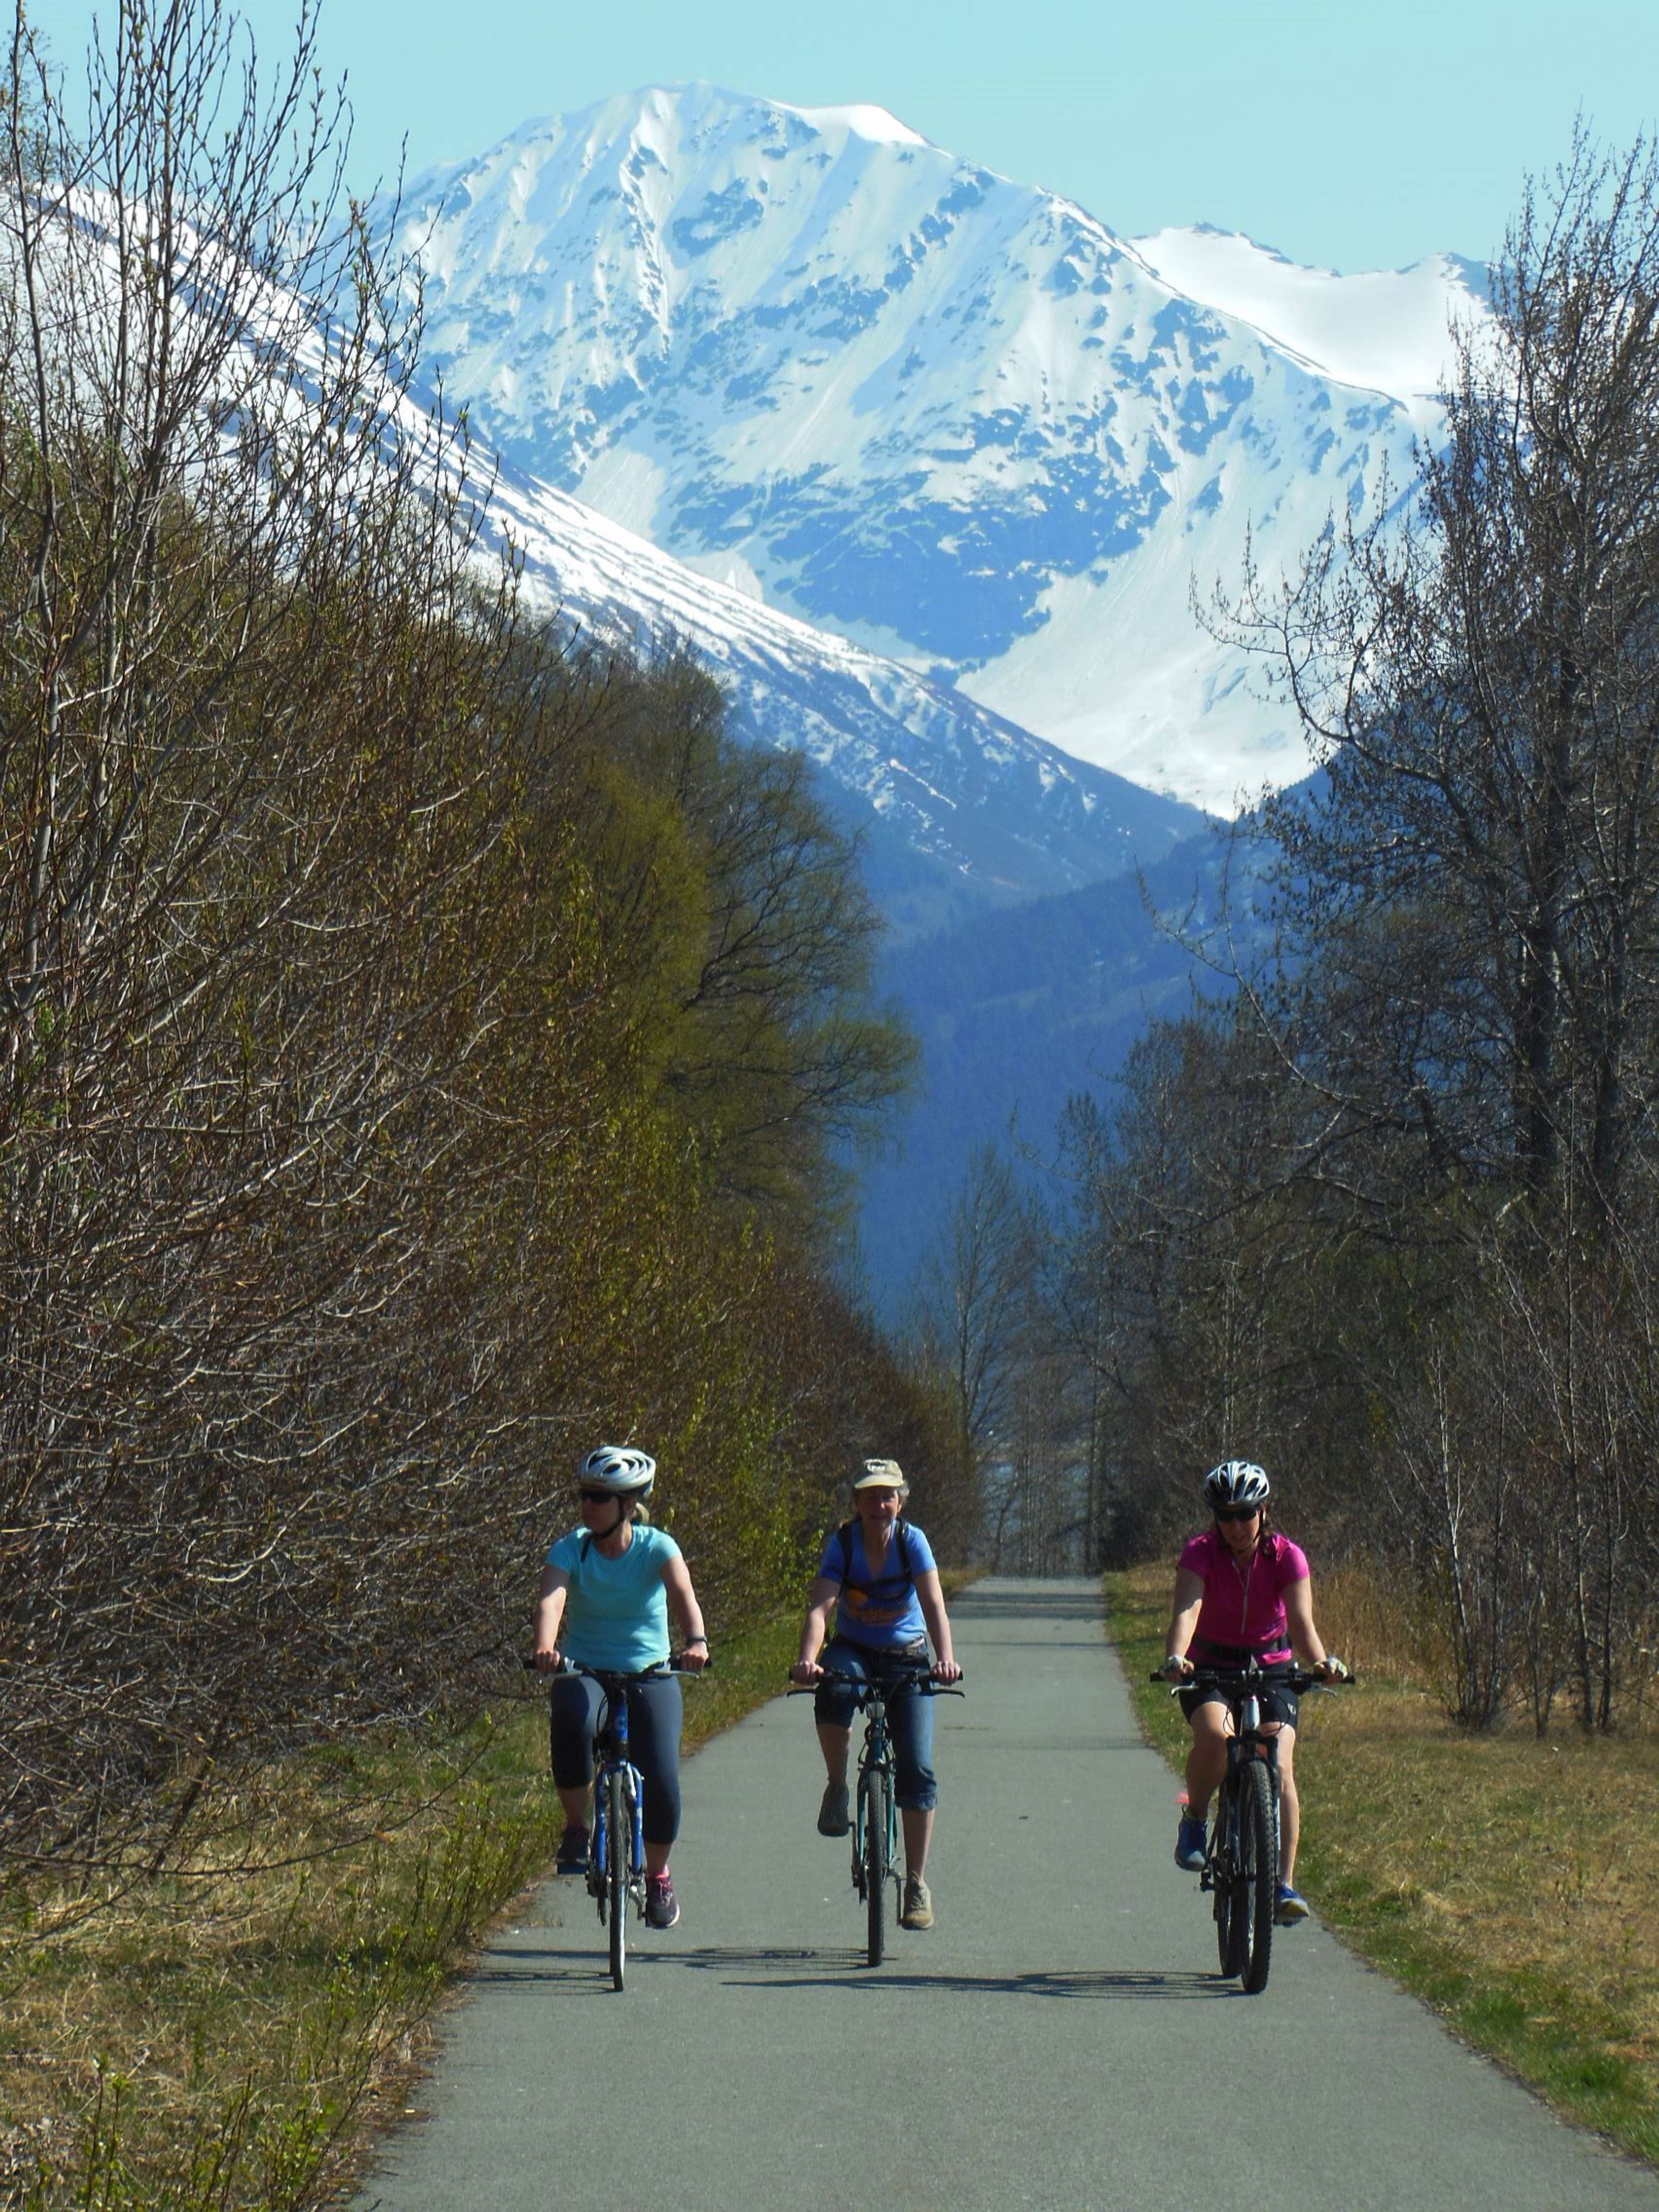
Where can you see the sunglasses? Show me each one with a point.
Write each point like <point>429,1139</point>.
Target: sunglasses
<point>595,1496</point>
<point>1228,1512</point>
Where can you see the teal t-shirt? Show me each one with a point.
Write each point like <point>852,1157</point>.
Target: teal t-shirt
<point>615,1612</point>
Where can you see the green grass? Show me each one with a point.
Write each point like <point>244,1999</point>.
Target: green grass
<point>1505,1880</point>
<point>228,2042</point>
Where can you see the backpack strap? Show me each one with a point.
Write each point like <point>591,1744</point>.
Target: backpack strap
<point>902,1535</point>
<point>902,1532</point>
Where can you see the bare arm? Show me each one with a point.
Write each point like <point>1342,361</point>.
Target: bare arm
<point>1305,1639</point>
<point>930,1596</point>
<point>683,1602</point>
<point>550,1612</point>
<point>1183,1618</point>
<point>822,1596</point>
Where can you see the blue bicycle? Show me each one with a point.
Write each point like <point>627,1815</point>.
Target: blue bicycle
<point>615,1857</point>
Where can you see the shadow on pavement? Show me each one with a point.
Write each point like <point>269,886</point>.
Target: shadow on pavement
<point>838,1965</point>
<point>566,1969</point>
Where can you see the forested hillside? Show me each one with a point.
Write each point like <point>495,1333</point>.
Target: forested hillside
<point>1017,1011</point>
<point>420,1044</point>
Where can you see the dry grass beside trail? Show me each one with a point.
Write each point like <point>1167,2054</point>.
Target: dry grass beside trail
<point>207,2043</point>
<point>215,2038</point>
<point>1507,1880</point>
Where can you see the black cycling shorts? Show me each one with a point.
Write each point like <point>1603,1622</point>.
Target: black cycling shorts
<point>1278,1702</point>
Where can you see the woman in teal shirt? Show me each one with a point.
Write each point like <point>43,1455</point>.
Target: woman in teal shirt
<point>606,1592</point>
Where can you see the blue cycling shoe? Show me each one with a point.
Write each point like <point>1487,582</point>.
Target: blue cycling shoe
<point>1189,1845</point>
<point>1292,1906</point>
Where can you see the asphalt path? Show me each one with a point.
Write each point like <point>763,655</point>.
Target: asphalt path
<point>1060,2038</point>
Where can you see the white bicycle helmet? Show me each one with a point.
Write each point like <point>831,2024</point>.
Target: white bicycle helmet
<point>618,1468</point>
<point>1235,1482</point>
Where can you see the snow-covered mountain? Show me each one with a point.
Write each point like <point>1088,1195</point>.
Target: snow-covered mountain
<point>953,418</point>
<point>961,808</point>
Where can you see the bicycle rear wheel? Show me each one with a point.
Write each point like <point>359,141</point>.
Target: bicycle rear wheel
<point>873,1787</point>
<point>619,1828</point>
<point>1258,1842</point>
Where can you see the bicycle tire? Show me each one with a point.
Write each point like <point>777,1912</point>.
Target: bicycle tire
<point>1259,1861</point>
<point>1230,1914</point>
<point>873,1787</point>
<point>619,1829</point>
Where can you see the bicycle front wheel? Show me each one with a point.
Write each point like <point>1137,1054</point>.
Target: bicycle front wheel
<point>1231,1899</point>
<point>619,1829</point>
<point>1258,1844</point>
<point>873,1789</point>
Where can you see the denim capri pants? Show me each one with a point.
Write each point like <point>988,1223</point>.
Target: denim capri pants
<point>909,1714</point>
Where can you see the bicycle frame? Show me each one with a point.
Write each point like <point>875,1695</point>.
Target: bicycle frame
<point>1247,1741</point>
<point>877,1780</point>
<point>611,1757</point>
<point>1240,1859</point>
<point>876,1758</point>
<point>616,1878</point>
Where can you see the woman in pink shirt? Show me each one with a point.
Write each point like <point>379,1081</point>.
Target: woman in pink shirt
<point>1242,1592</point>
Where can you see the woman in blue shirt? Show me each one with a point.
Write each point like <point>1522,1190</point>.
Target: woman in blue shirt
<point>606,1595</point>
<point>880,1574</point>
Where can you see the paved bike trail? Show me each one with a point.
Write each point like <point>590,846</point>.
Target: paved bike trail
<point>1058,2040</point>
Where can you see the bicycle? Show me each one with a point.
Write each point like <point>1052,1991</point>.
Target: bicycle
<point>1241,1862</point>
<point>876,1818</point>
<point>616,1854</point>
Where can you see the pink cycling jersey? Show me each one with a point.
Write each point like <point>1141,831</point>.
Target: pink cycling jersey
<point>1244,1607</point>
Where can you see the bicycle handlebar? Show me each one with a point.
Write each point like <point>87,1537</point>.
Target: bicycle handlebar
<point>1246,1681</point>
<point>908,1678</point>
<point>616,1674</point>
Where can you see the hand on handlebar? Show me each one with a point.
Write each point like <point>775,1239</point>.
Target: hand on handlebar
<point>946,1670</point>
<point>1331,1669</point>
<point>1176,1667</point>
<point>805,1671</point>
<point>547,1659</point>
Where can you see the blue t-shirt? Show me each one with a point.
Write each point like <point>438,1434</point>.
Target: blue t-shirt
<point>883,1611</point>
<point>615,1612</point>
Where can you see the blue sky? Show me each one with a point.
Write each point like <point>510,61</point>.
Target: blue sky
<point>1357,136</point>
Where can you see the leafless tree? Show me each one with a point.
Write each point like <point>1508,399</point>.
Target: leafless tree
<point>1473,898</point>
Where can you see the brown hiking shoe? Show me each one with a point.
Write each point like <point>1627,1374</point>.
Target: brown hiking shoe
<point>918,1904</point>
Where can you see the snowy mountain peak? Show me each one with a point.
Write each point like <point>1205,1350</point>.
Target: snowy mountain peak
<point>954,418</point>
<point>1385,331</point>
<point>872,123</point>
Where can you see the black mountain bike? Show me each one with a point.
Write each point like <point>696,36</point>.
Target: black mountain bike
<point>876,1818</point>
<point>1241,1864</point>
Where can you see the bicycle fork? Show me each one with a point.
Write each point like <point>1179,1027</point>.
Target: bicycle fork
<point>875,1758</point>
<point>1223,1828</point>
<point>632,1798</point>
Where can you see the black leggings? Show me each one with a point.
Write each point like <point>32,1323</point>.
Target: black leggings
<point>655,1710</point>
